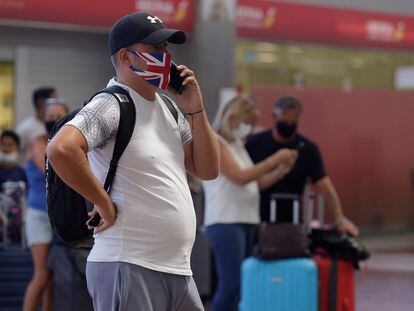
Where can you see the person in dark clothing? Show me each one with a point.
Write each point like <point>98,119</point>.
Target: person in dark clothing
<point>13,184</point>
<point>33,126</point>
<point>309,164</point>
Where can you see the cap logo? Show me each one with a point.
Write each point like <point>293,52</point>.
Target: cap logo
<point>153,19</point>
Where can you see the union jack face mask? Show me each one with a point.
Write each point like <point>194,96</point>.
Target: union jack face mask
<point>158,68</point>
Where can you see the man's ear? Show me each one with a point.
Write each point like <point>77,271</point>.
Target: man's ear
<point>129,59</point>
<point>124,58</point>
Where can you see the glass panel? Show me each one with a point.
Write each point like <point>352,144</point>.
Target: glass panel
<point>6,95</point>
<point>316,65</point>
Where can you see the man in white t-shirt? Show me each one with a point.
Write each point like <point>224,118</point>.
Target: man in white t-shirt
<point>141,256</point>
<point>34,126</point>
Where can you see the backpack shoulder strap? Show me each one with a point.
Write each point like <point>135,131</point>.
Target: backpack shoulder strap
<point>171,107</point>
<point>125,128</point>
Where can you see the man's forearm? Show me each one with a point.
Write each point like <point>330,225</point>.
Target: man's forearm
<point>71,165</point>
<point>326,187</point>
<point>334,202</point>
<point>206,152</point>
<point>342,223</point>
<point>331,197</point>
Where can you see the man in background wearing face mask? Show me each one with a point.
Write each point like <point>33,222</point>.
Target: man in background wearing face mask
<point>309,164</point>
<point>141,256</point>
<point>9,156</point>
<point>33,126</point>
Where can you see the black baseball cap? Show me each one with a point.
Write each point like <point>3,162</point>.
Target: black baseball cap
<point>141,27</point>
<point>287,102</point>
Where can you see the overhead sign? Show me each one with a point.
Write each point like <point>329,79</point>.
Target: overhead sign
<point>96,13</point>
<point>174,13</point>
<point>297,22</point>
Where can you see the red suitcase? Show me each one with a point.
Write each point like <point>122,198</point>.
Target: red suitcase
<point>336,284</point>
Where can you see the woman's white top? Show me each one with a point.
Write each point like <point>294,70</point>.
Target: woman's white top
<point>227,202</point>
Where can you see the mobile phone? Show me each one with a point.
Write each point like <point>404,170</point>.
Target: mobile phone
<point>299,146</point>
<point>94,221</point>
<point>176,81</point>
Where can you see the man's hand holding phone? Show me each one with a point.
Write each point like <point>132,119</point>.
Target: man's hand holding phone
<point>176,81</point>
<point>183,80</point>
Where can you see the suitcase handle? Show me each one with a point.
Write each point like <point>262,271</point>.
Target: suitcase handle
<point>296,206</point>
<point>292,196</point>
<point>309,203</point>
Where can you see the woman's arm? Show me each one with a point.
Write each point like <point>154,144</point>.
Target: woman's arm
<point>239,176</point>
<point>37,152</point>
<point>268,179</point>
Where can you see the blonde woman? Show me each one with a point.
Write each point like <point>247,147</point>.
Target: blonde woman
<point>232,200</point>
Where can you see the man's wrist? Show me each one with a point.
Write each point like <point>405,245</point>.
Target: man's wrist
<point>191,115</point>
<point>340,220</point>
<point>109,214</point>
<point>104,199</point>
<point>195,112</point>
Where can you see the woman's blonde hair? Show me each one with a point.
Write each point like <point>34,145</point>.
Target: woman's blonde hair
<point>240,106</point>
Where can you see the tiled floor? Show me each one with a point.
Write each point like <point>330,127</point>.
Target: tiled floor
<point>385,291</point>
<point>387,283</point>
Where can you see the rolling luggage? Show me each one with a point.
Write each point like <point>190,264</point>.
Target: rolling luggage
<point>336,284</point>
<point>337,257</point>
<point>279,285</point>
<point>286,284</point>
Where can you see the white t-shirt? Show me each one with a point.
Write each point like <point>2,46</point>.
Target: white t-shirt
<point>227,202</point>
<point>28,129</point>
<point>155,225</point>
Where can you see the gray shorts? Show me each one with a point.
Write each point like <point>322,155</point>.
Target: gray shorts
<point>38,229</point>
<point>120,286</point>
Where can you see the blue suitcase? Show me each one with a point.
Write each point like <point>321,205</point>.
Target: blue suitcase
<point>279,285</point>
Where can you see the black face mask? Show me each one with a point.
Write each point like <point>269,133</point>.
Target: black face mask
<point>49,126</point>
<point>286,129</point>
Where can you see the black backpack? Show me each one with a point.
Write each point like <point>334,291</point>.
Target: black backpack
<point>338,245</point>
<point>67,209</point>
